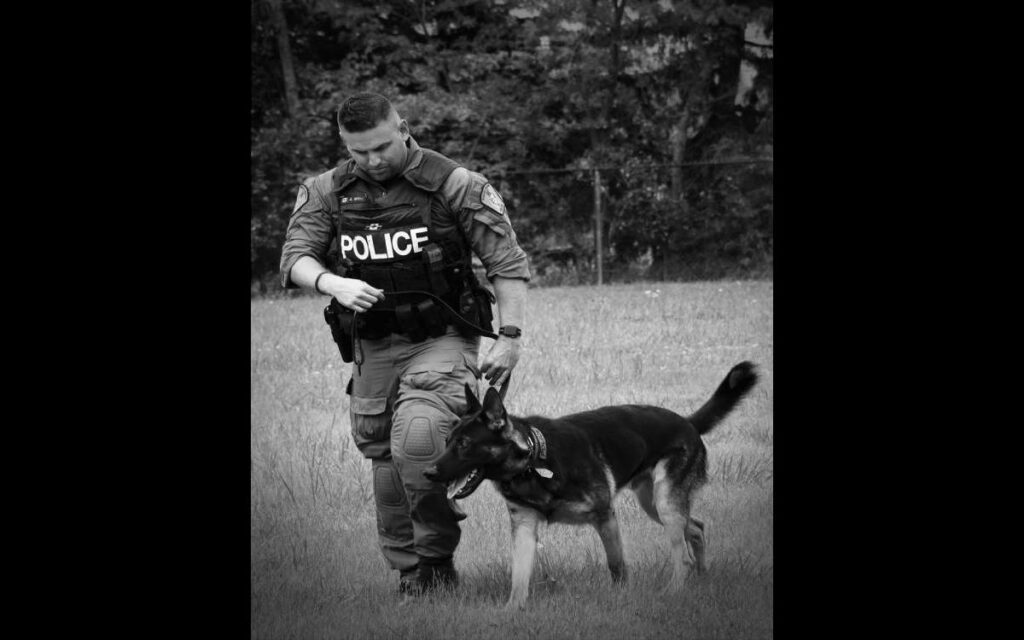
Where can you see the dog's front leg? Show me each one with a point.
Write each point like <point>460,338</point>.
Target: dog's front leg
<point>524,549</point>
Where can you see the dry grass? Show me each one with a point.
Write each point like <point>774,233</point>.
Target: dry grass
<point>316,570</point>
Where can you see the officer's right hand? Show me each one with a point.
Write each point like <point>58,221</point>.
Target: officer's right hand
<point>351,293</point>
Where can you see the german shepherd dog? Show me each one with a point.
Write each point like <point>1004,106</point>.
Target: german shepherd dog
<point>569,470</point>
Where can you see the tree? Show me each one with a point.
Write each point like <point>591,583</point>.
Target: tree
<point>506,86</point>
<point>284,50</point>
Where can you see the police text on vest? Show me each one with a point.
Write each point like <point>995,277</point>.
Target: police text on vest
<point>383,246</point>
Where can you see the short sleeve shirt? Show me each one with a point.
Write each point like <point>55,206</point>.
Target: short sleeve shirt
<point>475,203</point>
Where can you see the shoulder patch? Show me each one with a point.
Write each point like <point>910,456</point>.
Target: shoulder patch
<point>489,196</point>
<point>302,198</point>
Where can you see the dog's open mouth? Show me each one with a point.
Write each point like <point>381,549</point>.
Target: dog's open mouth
<point>467,484</point>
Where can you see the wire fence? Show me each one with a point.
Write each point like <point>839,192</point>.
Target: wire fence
<point>643,221</point>
<point>591,170</point>
<point>597,224</point>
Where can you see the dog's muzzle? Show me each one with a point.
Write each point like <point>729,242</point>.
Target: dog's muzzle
<point>464,486</point>
<point>460,487</point>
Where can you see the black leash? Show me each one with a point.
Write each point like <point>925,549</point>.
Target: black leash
<point>456,317</point>
<point>357,346</point>
<point>505,386</point>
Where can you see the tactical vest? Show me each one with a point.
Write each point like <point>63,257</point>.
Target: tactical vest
<point>392,240</point>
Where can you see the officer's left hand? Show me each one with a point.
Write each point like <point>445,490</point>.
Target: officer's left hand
<point>500,360</point>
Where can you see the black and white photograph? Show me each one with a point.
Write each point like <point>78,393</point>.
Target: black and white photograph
<point>512,319</point>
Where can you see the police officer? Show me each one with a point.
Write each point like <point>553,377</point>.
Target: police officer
<point>404,222</point>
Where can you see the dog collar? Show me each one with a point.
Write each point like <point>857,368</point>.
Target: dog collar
<point>540,446</point>
<point>538,452</point>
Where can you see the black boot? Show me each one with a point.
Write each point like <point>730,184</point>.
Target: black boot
<point>408,582</point>
<point>434,574</point>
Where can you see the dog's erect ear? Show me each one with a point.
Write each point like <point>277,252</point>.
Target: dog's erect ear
<point>472,404</point>
<point>515,437</point>
<point>494,409</point>
<point>497,420</point>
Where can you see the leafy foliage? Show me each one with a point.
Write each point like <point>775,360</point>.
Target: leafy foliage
<point>513,86</point>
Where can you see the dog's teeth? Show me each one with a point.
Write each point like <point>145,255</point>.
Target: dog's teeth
<point>456,486</point>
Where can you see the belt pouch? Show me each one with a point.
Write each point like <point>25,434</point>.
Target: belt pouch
<point>433,260</point>
<point>408,322</point>
<point>431,317</point>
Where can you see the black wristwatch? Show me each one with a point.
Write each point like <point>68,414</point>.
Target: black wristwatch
<point>510,331</point>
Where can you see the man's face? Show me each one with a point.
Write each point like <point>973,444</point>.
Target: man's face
<point>380,151</point>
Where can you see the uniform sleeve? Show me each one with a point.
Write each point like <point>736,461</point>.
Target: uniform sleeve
<point>309,230</point>
<point>481,212</point>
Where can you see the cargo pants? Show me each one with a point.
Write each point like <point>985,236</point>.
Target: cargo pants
<point>404,404</point>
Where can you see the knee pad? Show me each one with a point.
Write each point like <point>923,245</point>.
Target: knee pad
<point>387,487</point>
<point>420,431</point>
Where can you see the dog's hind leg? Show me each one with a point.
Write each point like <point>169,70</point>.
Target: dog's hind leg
<point>695,535</point>
<point>673,507</point>
<point>524,551</point>
<point>643,488</point>
<point>608,529</point>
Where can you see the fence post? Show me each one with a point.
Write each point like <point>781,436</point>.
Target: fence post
<point>598,225</point>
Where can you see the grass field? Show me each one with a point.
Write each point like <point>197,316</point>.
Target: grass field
<point>316,569</point>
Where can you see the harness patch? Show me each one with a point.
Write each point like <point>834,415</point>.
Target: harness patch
<point>302,198</point>
<point>490,198</point>
<point>349,199</point>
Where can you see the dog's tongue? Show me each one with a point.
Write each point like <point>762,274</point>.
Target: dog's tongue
<point>455,486</point>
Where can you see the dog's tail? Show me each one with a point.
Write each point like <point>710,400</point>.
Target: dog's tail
<point>740,380</point>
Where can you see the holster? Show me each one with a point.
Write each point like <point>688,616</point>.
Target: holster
<point>339,319</point>
<point>475,304</point>
<point>484,299</point>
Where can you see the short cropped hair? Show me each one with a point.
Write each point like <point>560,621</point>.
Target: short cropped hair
<point>363,111</point>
